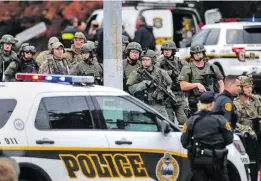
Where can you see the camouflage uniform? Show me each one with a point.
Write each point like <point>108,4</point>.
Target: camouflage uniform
<point>22,65</point>
<point>128,64</point>
<point>6,57</point>
<point>247,112</point>
<point>173,66</point>
<point>125,42</point>
<point>71,55</point>
<point>53,65</point>
<point>208,76</point>
<point>141,87</point>
<point>88,66</point>
<point>43,55</point>
<point>248,117</point>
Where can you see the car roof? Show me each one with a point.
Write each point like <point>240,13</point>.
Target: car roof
<point>231,25</point>
<point>8,89</point>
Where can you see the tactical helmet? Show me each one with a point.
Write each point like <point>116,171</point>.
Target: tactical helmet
<point>8,39</point>
<point>26,47</point>
<point>125,39</point>
<point>21,47</point>
<point>57,45</point>
<point>88,47</point>
<point>197,48</point>
<point>168,45</point>
<point>93,43</point>
<point>246,80</point>
<point>80,35</point>
<point>134,46</point>
<point>151,54</point>
<point>53,40</point>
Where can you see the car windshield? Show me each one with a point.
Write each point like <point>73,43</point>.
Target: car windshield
<point>249,35</point>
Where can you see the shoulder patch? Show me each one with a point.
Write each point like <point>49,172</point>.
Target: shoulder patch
<point>228,127</point>
<point>228,106</point>
<point>185,128</point>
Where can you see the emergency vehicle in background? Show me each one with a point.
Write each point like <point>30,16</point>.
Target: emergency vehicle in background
<point>171,20</point>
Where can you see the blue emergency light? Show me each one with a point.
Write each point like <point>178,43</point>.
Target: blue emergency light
<point>54,78</point>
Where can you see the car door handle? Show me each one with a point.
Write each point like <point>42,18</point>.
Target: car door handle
<point>212,51</point>
<point>40,142</point>
<point>121,142</point>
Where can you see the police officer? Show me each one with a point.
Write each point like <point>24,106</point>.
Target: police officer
<point>248,107</point>
<point>224,101</point>
<point>7,55</point>
<point>73,54</point>
<point>133,52</point>
<point>199,76</point>
<point>43,55</point>
<point>173,66</point>
<point>125,43</point>
<point>25,64</point>
<point>88,66</point>
<point>206,135</point>
<point>142,86</point>
<point>54,63</point>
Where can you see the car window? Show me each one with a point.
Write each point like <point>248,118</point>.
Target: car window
<point>244,36</point>
<point>213,37</point>
<point>7,107</point>
<point>64,113</point>
<point>200,37</point>
<point>120,113</point>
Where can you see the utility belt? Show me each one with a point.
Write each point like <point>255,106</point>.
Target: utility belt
<point>153,102</point>
<point>200,155</point>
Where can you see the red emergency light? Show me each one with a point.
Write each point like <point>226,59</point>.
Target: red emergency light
<point>240,20</point>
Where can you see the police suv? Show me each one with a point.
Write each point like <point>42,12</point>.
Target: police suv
<point>74,130</point>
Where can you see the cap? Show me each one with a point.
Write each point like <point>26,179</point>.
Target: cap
<point>207,97</point>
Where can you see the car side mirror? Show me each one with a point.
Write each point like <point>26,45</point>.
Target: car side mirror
<point>165,127</point>
<point>184,43</point>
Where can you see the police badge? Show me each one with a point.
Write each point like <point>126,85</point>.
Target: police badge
<point>252,55</point>
<point>157,22</point>
<point>167,168</point>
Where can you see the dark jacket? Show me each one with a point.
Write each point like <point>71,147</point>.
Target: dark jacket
<point>145,37</point>
<point>224,103</point>
<point>211,129</point>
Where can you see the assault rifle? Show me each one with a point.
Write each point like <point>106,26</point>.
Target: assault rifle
<point>175,76</point>
<point>160,86</point>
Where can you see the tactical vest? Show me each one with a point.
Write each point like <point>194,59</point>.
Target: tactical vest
<point>58,67</point>
<point>5,61</point>
<point>27,66</point>
<point>127,69</point>
<point>152,95</point>
<point>206,77</point>
<point>176,66</point>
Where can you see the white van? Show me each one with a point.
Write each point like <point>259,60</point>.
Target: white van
<point>166,19</point>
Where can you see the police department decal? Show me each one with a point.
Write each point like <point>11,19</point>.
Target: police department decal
<point>167,168</point>
<point>157,22</point>
<point>19,124</point>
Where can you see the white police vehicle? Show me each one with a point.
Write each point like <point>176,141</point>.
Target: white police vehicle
<point>62,132</point>
<point>235,47</point>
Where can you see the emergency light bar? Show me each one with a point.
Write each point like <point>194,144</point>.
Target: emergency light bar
<point>240,20</point>
<point>55,78</point>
